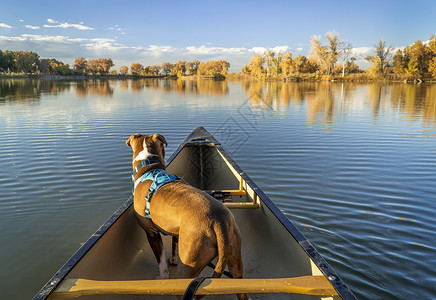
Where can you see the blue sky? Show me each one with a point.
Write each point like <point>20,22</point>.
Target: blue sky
<point>152,32</point>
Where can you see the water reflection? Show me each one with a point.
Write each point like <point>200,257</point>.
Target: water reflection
<point>24,90</point>
<point>194,86</point>
<point>323,101</point>
<point>327,101</point>
<point>99,88</point>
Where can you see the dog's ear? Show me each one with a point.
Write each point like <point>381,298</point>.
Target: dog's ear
<point>129,141</point>
<point>161,138</point>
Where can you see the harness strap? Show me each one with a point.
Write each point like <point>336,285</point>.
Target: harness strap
<point>192,288</point>
<point>159,178</point>
<point>144,163</point>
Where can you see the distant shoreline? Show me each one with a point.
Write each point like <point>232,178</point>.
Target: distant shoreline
<point>229,77</point>
<point>76,77</point>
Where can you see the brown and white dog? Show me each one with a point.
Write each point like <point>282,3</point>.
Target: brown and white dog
<point>204,226</point>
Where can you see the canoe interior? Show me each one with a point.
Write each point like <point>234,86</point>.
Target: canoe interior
<point>268,248</point>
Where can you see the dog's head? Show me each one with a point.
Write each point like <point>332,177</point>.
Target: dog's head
<point>147,146</point>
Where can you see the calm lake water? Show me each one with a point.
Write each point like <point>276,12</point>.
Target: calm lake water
<point>352,165</point>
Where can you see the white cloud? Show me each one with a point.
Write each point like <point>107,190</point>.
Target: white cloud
<point>51,38</point>
<point>158,50</point>
<point>32,27</point>
<point>99,44</point>
<point>117,28</point>
<point>12,38</point>
<point>3,25</point>
<point>205,50</point>
<point>362,52</point>
<point>258,50</point>
<point>276,49</point>
<point>299,49</point>
<point>21,21</point>
<point>57,24</point>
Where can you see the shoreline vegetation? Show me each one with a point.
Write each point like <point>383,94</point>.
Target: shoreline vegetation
<point>334,61</point>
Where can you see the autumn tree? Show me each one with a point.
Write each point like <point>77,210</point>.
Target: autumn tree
<point>432,49</point>
<point>277,64</point>
<point>304,65</point>
<point>412,69</point>
<point>255,66</point>
<point>192,67</point>
<point>104,65</point>
<point>180,68</point>
<point>432,67</point>
<point>216,68</point>
<point>269,57</point>
<point>288,65</point>
<point>223,66</point>
<point>399,63</point>
<point>167,68</point>
<point>155,69</point>
<point>326,56</point>
<point>352,67</point>
<point>136,68</point>
<point>92,66</point>
<point>124,70</point>
<point>420,54</point>
<point>80,64</point>
<point>381,60</point>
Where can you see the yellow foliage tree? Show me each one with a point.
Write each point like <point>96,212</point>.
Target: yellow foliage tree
<point>124,70</point>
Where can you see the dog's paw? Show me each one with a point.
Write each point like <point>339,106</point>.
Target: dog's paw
<point>172,261</point>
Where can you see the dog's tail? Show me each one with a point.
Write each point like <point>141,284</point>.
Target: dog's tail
<point>224,248</point>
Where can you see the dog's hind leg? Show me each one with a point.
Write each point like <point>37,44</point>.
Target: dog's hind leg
<point>155,240</point>
<point>156,244</point>
<point>173,260</point>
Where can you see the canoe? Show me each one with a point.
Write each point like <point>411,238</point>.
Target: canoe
<point>279,262</point>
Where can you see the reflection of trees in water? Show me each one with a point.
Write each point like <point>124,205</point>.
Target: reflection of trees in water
<point>100,88</point>
<point>415,100</point>
<point>429,109</point>
<point>318,96</point>
<point>321,103</point>
<point>30,89</point>
<point>326,100</point>
<point>181,86</point>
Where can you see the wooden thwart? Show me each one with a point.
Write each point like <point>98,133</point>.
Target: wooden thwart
<point>307,285</point>
<point>242,205</point>
<point>240,192</point>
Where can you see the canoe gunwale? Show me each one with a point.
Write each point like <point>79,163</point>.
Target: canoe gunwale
<point>201,137</point>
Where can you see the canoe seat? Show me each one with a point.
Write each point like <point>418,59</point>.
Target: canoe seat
<point>306,285</point>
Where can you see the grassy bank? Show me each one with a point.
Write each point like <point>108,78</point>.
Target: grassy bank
<point>334,78</point>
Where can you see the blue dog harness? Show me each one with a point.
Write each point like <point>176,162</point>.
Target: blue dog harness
<point>159,178</point>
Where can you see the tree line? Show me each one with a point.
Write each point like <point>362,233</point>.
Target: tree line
<point>335,58</point>
<point>29,62</point>
<point>216,68</point>
<point>416,61</point>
